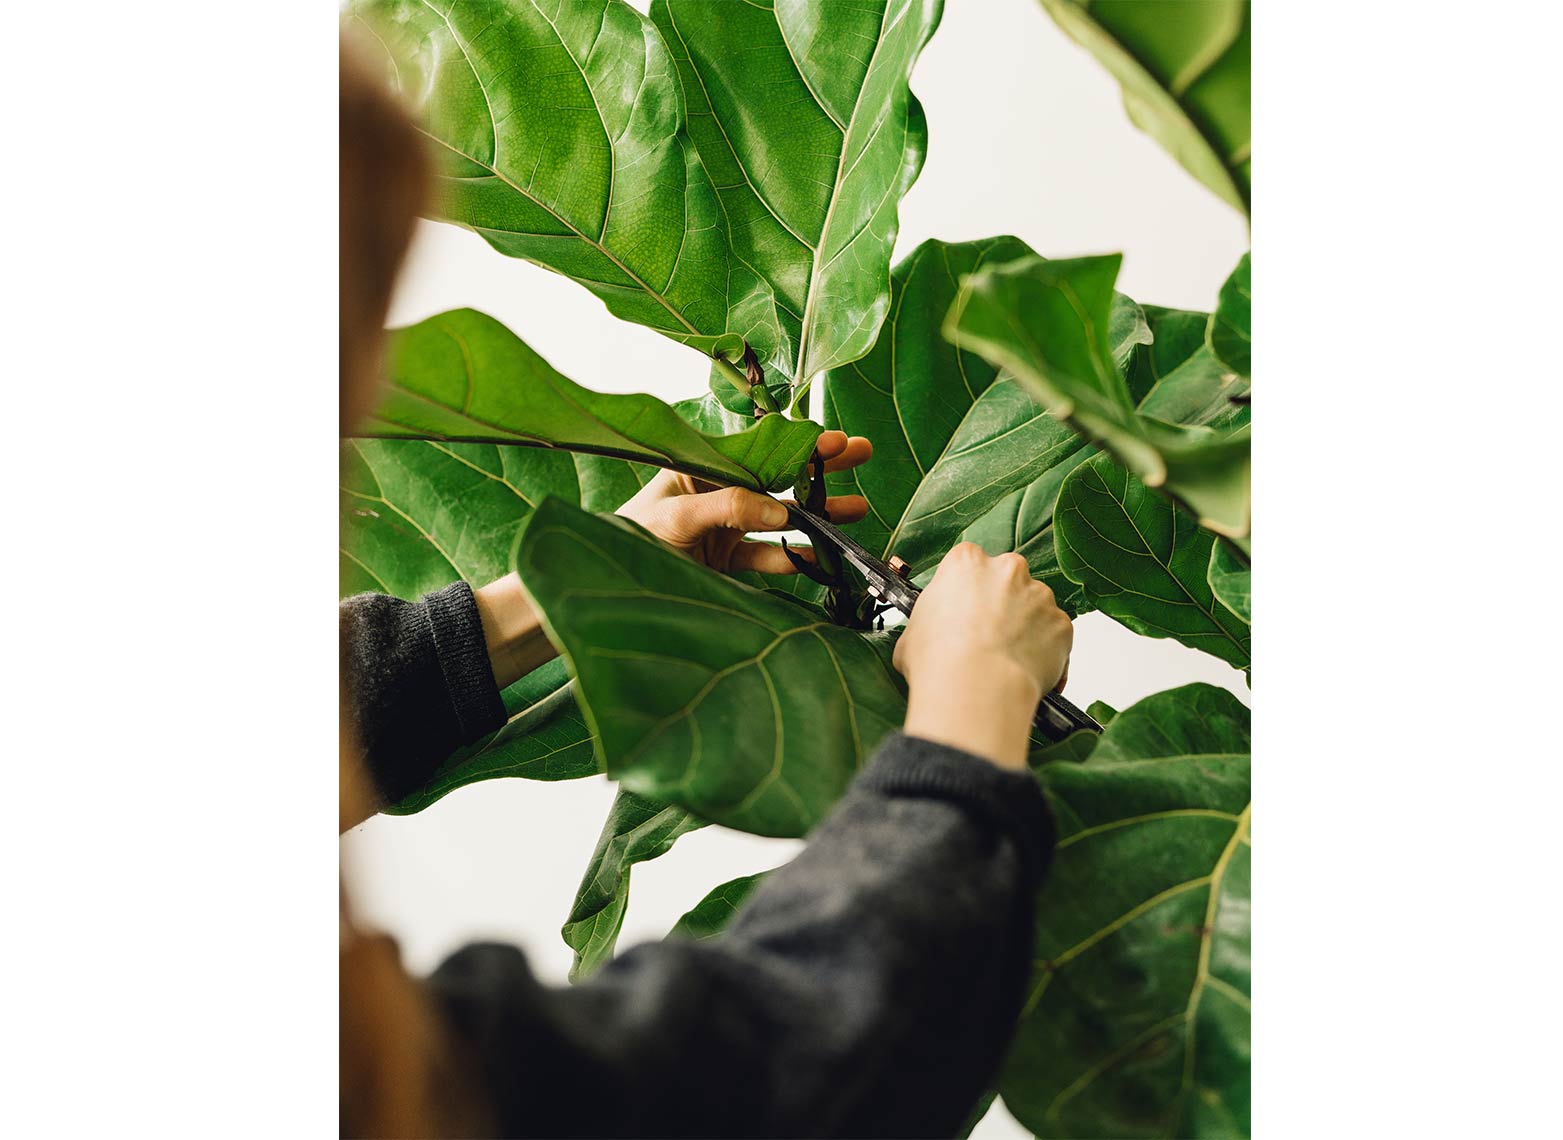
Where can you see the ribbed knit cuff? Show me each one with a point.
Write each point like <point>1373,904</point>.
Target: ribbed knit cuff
<point>1010,801</point>
<point>457,630</point>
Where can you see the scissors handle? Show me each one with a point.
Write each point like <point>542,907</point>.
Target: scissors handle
<point>1058,717</point>
<point>1055,718</point>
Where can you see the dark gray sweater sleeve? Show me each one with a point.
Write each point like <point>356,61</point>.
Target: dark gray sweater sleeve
<point>417,682</point>
<point>868,988</point>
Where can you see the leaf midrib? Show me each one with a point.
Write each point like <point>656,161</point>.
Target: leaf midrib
<point>805,376</point>
<point>1151,554</point>
<point>648,454</point>
<point>1184,1016</point>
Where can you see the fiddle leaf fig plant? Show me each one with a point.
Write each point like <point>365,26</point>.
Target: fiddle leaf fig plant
<point>464,376</point>
<point>1184,69</point>
<point>729,173</point>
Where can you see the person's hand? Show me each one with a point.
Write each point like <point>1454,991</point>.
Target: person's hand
<point>709,523</point>
<point>984,643</point>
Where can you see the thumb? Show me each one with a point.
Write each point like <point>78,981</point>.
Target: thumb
<point>734,507</point>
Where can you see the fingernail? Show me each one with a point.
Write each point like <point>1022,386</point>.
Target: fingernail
<point>775,514</point>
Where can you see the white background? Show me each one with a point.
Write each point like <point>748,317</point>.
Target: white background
<point>169,735</point>
<point>1040,148</point>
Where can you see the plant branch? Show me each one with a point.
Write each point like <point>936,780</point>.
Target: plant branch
<point>755,391</point>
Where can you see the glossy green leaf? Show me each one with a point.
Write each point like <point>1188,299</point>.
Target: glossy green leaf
<point>417,516</point>
<point>558,134</point>
<point>741,705</point>
<point>1178,379</point>
<point>1137,1020</point>
<point>952,436</point>
<point>1231,325</point>
<point>802,115</point>
<point>462,375</point>
<point>637,829</point>
<point>1050,323</point>
<point>1176,334</point>
<point>1185,73</point>
<point>1023,523</point>
<point>712,913</point>
<point>731,174</point>
<point>1143,561</point>
<point>1229,580</point>
<point>1200,392</point>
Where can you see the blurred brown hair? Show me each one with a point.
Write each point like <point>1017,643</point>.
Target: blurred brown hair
<point>400,1074</point>
<point>384,182</point>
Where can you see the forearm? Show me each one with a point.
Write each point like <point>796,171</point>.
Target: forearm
<point>512,632</point>
<point>983,707</point>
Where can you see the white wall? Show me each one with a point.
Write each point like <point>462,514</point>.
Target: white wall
<point>1027,136</point>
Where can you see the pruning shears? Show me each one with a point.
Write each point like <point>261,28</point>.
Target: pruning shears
<point>890,585</point>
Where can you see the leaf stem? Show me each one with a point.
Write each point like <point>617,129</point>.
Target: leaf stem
<point>756,392</point>
<point>734,377</point>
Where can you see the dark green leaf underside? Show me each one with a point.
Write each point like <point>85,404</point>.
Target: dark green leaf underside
<point>1050,323</point>
<point>1143,561</point>
<point>1136,1022</point>
<point>741,705</point>
<point>637,829</point>
<point>462,375</point>
<point>711,914</point>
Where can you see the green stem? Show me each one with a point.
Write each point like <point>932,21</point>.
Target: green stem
<point>733,376</point>
<point>756,392</point>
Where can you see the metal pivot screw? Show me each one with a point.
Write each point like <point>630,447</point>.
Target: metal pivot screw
<point>900,565</point>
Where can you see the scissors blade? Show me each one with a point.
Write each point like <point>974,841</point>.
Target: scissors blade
<point>888,586</point>
<point>1056,716</point>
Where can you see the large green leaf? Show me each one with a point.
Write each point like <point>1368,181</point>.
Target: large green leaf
<point>1184,69</point>
<point>1231,325</point>
<point>1230,580</point>
<point>711,914</point>
<point>637,829</point>
<point>1137,1021</point>
<point>558,133</point>
<point>732,177</point>
<point>1050,323</point>
<point>417,516</point>
<point>1176,334</point>
<point>802,115</point>
<point>1179,379</point>
<point>741,705</point>
<point>952,436</point>
<point>1023,523</point>
<point>1143,561</point>
<point>1202,392</point>
<point>462,375</point>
